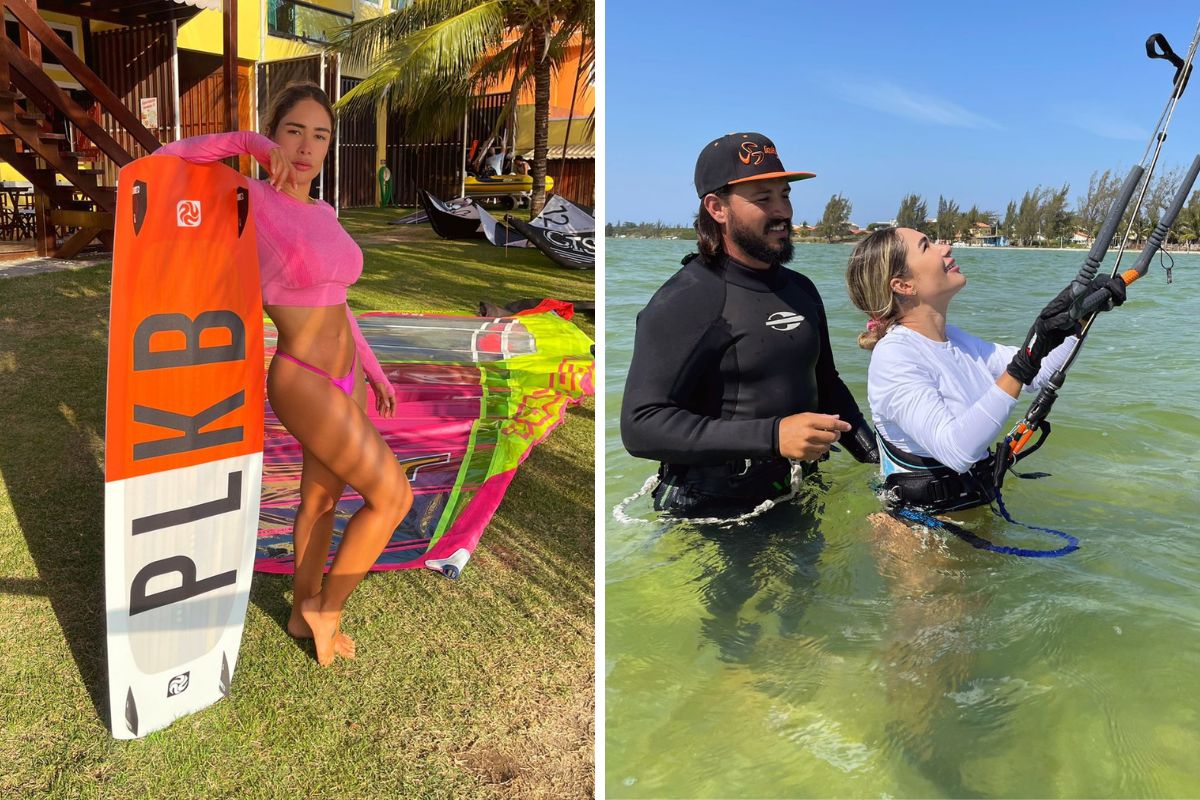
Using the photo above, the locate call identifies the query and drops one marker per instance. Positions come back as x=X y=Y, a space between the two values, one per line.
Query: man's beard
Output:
x=758 y=246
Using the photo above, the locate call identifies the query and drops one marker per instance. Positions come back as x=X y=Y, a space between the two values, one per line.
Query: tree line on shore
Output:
x=1042 y=217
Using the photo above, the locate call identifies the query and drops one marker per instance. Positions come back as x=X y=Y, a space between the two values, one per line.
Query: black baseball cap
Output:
x=738 y=158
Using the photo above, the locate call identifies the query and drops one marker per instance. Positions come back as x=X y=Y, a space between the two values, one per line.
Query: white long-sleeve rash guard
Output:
x=940 y=399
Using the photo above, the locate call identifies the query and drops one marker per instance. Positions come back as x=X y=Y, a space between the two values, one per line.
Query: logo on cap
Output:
x=751 y=154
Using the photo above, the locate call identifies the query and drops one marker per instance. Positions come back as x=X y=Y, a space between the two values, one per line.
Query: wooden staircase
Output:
x=27 y=95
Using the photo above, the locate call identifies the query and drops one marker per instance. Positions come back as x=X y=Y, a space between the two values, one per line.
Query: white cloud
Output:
x=898 y=101
x=1103 y=123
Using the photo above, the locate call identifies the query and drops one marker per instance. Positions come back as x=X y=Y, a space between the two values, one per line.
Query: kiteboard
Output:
x=183 y=442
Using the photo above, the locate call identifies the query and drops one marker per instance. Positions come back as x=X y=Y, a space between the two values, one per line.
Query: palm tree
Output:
x=432 y=57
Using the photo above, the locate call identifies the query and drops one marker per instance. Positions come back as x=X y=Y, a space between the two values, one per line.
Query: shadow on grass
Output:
x=417 y=271
x=33 y=587
x=53 y=355
x=548 y=515
x=53 y=334
x=272 y=595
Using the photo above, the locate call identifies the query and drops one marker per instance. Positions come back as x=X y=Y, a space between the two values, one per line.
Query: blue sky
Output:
x=975 y=101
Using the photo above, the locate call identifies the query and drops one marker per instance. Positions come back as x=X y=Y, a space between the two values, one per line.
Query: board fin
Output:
x=131 y=718
x=139 y=205
x=243 y=208
x=225 y=678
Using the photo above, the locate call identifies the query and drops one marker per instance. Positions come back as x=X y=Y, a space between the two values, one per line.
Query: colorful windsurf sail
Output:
x=473 y=397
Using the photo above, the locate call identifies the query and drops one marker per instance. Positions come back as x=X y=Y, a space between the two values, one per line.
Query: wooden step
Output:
x=52 y=137
x=80 y=219
x=30 y=117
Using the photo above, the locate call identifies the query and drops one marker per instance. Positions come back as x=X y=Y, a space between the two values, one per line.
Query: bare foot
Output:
x=297 y=628
x=886 y=523
x=324 y=627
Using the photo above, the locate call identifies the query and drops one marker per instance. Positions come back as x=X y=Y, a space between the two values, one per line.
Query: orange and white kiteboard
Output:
x=183 y=443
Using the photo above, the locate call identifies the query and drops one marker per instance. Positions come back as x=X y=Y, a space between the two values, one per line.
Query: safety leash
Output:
x=908 y=514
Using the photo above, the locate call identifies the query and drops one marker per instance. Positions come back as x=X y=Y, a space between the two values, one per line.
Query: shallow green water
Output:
x=810 y=655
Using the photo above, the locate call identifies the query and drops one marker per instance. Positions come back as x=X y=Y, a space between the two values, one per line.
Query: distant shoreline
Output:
x=1080 y=249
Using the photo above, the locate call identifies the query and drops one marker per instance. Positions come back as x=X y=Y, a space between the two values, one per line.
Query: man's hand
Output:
x=808 y=436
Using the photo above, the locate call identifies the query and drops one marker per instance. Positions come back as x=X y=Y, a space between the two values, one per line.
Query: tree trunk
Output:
x=541 y=121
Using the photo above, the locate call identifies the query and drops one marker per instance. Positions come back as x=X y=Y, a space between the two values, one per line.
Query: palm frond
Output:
x=491 y=70
x=430 y=58
x=436 y=60
x=363 y=43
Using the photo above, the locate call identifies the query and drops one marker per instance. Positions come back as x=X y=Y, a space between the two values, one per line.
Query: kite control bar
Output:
x=1086 y=305
x=1091 y=304
x=1091 y=264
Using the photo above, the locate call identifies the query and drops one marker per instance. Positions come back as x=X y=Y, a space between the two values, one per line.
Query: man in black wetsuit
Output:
x=732 y=373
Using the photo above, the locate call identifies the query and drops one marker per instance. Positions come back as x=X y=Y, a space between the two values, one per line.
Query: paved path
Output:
x=34 y=265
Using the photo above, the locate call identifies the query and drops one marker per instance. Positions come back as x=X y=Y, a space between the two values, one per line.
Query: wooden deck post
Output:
x=43 y=230
x=43 y=235
x=230 y=27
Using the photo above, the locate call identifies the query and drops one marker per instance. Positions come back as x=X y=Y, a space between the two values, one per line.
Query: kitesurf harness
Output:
x=914 y=480
x=917 y=487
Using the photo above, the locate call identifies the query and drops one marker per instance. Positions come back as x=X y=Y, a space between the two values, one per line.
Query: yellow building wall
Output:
x=203 y=32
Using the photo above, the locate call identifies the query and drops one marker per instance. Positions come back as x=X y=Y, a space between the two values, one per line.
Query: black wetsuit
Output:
x=722 y=353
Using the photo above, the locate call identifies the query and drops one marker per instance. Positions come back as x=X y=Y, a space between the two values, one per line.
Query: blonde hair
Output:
x=875 y=261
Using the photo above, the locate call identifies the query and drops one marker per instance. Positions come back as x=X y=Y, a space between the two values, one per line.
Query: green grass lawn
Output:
x=477 y=688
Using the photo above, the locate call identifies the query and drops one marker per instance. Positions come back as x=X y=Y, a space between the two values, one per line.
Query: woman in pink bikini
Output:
x=306 y=261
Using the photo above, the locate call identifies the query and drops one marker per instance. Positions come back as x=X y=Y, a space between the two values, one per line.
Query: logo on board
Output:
x=784 y=321
x=187 y=213
x=179 y=684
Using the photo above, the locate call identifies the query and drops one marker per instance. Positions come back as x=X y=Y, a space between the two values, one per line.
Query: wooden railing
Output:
x=40 y=156
x=28 y=17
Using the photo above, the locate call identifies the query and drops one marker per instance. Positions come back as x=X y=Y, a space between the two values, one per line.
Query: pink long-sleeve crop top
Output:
x=305 y=256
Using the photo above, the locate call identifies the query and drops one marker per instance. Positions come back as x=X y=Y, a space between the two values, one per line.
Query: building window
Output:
x=13 y=30
x=291 y=19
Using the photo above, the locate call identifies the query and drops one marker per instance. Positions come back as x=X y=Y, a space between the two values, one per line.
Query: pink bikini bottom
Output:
x=346 y=384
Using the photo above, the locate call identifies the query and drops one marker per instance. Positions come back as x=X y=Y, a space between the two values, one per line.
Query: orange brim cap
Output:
x=787 y=176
